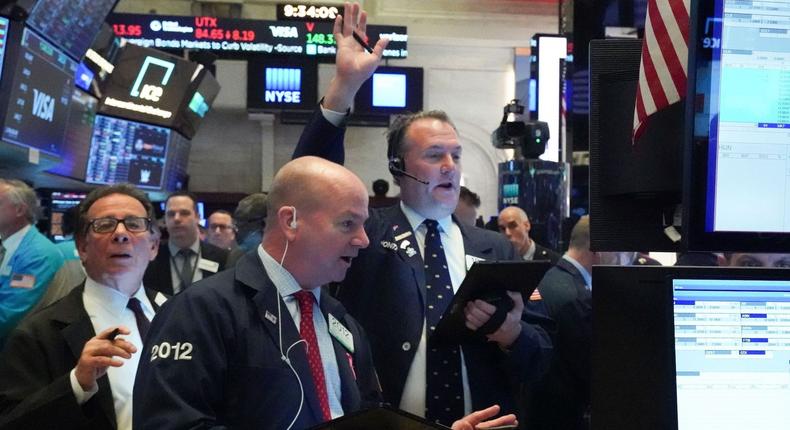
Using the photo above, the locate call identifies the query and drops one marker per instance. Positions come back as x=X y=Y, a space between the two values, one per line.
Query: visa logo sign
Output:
x=284 y=31
x=283 y=85
x=43 y=105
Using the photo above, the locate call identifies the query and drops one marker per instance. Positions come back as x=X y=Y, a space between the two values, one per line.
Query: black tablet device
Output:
x=488 y=280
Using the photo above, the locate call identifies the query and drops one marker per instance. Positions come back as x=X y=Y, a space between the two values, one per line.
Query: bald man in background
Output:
x=514 y=223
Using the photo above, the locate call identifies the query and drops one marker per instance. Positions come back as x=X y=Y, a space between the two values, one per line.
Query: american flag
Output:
x=662 y=74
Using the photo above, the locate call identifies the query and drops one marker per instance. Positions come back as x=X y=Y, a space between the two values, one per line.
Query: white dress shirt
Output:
x=286 y=285
x=413 y=398
x=530 y=254
x=106 y=308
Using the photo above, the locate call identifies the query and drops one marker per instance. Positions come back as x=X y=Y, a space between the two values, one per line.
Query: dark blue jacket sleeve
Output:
x=321 y=139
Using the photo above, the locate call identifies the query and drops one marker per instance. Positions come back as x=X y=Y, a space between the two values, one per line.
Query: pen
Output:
x=114 y=334
x=362 y=42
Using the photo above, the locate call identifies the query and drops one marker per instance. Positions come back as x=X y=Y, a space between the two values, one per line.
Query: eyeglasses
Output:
x=134 y=224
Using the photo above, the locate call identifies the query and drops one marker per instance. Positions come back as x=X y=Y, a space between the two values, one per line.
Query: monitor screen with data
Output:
x=127 y=151
x=738 y=186
x=732 y=353
x=690 y=348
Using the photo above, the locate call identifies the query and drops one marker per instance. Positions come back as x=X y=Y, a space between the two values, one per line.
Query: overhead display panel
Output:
x=228 y=37
x=127 y=151
x=71 y=25
x=147 y=85
x=43 y=83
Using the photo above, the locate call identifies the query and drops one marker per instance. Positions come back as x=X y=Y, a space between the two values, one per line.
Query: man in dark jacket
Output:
x=63 y=367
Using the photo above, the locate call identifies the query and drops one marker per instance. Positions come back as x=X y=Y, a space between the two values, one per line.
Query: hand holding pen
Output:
x=100 y=353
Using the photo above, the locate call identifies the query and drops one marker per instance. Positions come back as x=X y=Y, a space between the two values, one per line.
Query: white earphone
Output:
x=293 y=220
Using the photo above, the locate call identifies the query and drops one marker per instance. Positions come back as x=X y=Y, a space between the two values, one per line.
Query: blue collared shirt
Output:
x=286 y=285
x=585 y=274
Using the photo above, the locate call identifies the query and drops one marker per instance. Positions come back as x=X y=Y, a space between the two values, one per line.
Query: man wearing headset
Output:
x=393 y=286
x=261 y=345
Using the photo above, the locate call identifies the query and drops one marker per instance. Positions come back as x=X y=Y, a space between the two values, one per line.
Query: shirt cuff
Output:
x=81 y=395
x=333 y=117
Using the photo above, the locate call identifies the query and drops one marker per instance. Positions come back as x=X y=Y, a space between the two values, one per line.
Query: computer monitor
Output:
x=732 y=352
x=690 y=348
x=634 y=186
x=391 y=90
x=77 y=136
x=737 y=188
x=39 y=97
x=176 y=177
x=59 y=202
x=127 y=151
x=71 y=25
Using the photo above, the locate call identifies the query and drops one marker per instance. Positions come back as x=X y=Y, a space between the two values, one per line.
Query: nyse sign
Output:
x=283 y=85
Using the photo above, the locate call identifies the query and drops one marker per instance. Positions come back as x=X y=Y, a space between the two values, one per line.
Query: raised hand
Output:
x=353 y=63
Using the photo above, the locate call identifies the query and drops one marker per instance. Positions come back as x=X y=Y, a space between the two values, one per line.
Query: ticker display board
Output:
x=229 y=37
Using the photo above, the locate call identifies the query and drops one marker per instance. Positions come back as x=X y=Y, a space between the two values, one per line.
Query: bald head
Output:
x=307 y=183
x=316 y=213
x=514 y=212
x=514 y=223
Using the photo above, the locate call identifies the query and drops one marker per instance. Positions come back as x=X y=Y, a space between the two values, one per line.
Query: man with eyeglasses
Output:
x=64 y=365
x=184 y=259
x=222 y=230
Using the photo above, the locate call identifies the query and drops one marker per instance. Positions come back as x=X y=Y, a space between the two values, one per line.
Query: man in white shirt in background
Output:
x=63 y=367
x=184 y=259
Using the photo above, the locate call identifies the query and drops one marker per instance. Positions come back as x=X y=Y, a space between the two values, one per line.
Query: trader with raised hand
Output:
x=271 y=349
x=399 y=287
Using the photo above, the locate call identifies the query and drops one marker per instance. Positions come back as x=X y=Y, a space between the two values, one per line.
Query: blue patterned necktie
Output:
x=444 y=391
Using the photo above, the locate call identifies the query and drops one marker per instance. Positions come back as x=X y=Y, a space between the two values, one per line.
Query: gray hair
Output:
x=20 y=193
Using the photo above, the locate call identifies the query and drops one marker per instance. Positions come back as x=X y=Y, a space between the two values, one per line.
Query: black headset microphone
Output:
x=396 y=168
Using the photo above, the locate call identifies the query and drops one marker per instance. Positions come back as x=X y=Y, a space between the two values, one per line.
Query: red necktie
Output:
x=307 y=331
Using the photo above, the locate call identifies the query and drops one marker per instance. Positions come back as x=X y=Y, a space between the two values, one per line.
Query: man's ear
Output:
x=154 y=246
x=82 y=246
x=286 y=222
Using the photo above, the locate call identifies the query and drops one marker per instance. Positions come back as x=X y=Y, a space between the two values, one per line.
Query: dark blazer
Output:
x=385 y=290
x=559 y=401
x=235 y=376
x=158 y=275
x=563 y=283
x=543 y=253
x=35 y=390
